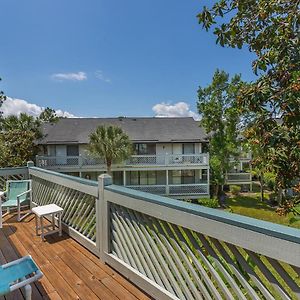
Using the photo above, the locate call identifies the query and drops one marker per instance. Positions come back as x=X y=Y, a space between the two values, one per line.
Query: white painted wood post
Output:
x=167 y=183
x=102 y=217
x=27 y=176
x=124 y=178
x=29 y=165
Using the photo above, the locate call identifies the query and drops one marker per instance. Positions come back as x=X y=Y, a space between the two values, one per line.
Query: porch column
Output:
x=167 y=183
x=124 y=178
x=208 y=188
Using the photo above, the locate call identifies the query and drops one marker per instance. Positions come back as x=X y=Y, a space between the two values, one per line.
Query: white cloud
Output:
x=13 y=106
x=99 y=74
x=79 y=76
x=179 y=109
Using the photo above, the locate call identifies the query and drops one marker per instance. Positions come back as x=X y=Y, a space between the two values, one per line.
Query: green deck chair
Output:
x=18 y=274
x=18 y=193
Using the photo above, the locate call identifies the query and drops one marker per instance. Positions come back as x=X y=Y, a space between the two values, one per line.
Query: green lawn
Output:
x=248 y=204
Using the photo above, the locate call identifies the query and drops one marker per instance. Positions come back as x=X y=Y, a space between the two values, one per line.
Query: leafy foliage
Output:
x=212 y=203
x=2 y=99
x=111 y=144
x=17 y=147
x=235 y=189
x=18 y=136
x=48 y=115
x=271 y=30
x=221 y=119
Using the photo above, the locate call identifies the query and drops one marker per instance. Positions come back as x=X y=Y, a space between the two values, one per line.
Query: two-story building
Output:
x=169 y=158
x=170 y=154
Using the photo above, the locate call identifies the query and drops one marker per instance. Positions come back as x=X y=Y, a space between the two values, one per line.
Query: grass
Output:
x=250 y=205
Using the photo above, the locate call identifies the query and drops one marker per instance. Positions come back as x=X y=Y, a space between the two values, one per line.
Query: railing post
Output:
x=102 y=217
x=29 y=165
x=167 y=183
x=80 y=161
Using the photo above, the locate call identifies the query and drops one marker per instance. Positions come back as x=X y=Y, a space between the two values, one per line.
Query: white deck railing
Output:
x=173 y=189
x=173 y=249
x=238 y=177
x=134 y=160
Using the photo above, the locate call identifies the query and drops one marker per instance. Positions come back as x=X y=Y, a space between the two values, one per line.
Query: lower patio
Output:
x=70 y=270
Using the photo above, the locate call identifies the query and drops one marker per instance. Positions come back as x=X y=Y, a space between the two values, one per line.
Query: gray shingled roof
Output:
x=71 y=130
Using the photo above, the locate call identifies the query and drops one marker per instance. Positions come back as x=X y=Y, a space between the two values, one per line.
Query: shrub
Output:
x=212 y=203
x=269 y=179
x=235 y=189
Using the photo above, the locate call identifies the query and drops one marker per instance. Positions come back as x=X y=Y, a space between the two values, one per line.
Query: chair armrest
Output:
x=24 y=193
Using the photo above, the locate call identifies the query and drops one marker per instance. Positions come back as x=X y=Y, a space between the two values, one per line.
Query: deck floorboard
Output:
x=70 y=270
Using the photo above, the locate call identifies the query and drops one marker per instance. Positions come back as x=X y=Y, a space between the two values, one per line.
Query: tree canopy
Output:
x=221 y=119
x=2 y=99
x=111 y=144
x=48 y=115
x=271 y=30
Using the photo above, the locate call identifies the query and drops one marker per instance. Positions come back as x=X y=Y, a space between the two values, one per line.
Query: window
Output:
x=188 y=148
x=182 y=176
x=72 y=150
x=188 y=176
x=133 y=178
x=142 y=178
x=145 y=149
x=118 y=177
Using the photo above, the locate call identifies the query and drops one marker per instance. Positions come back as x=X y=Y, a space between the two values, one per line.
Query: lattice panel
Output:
x=153 y=189
x=79 y=208
x=194 y=266
x=3 y=180
x=188 y=189
x=145 y=160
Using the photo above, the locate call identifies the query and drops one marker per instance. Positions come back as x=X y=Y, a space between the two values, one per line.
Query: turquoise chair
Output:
x=18 y=274
x=17 y=194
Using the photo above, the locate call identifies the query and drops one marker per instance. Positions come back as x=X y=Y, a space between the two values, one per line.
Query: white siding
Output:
x=177 y=148
x=162 y=149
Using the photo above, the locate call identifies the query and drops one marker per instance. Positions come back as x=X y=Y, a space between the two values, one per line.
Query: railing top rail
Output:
x=13 y=168
x=259 y=226
x=73 y=178
x=85 y=185
x=13 y=171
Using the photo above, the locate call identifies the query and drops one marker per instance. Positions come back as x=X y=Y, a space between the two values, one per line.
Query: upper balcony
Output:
x=135 y=161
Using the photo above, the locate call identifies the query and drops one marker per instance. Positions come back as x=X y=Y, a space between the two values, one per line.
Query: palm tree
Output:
x=111 y=144
x=23 y=122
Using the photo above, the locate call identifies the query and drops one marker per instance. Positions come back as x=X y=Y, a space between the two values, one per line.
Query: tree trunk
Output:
x=261 y=181
x=279 y=195
x=109 y=172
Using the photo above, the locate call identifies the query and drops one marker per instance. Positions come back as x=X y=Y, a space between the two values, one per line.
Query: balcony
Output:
x=86 y=163
x=174 y=189
x=70 y=271
x=235 y=178
x=170 y=249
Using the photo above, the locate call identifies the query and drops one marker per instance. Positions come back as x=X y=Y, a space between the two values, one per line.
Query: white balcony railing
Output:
x=238 y=177
x=134 y=160
x=173 y=189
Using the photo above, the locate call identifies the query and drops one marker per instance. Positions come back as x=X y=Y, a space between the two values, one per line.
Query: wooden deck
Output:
x=70 y=271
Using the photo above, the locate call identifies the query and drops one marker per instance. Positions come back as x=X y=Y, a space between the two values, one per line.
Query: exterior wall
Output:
x=177 y=148
x=162 y=149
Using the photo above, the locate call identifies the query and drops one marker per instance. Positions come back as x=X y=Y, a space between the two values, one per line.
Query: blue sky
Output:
x=110 y=58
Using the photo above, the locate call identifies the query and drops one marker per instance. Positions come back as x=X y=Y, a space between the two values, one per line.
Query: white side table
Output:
x=46 y=210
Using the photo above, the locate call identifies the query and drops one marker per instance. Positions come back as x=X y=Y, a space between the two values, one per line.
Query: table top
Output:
x=46 y=210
